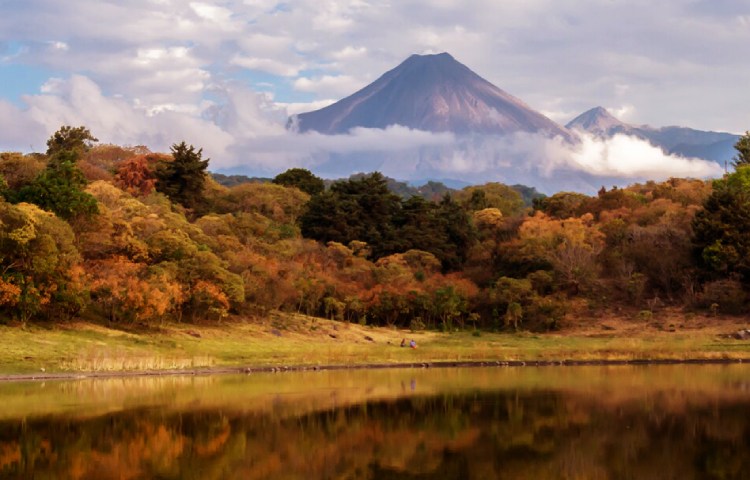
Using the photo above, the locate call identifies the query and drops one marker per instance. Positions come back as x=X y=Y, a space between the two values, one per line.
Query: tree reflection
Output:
x=472 y=435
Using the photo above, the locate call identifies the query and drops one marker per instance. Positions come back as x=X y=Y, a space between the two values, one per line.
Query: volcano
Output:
x=434 y=93
x=683 y=141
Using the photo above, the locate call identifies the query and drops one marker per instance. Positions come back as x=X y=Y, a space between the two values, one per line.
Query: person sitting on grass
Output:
x=412 y=343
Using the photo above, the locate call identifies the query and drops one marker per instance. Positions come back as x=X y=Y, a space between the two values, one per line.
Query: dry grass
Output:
x=282 y=339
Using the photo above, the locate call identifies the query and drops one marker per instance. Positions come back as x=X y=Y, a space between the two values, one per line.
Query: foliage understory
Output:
x=291 y=340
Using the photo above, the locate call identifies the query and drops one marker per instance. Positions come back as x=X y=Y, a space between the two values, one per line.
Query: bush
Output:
x=728 y=296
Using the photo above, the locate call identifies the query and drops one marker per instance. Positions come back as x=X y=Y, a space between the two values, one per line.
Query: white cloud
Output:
x=212 y=12
x=349 y=52
x=337 y=86
x=623 y=112
x=267 y=65
x=295 y=108
x=629 y=157
x=59 y=46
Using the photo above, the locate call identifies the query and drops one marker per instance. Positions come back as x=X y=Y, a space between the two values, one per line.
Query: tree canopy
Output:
x=70 y=139
x=302 y=179
x=183 y=179
x=363 y=209
x=722 y=228
x=59 y=188
x=743 y=151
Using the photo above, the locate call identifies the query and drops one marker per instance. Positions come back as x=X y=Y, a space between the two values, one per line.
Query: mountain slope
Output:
x=433 y=93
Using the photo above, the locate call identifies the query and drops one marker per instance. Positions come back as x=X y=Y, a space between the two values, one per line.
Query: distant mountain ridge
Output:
x=687 y=142
x=435 y=93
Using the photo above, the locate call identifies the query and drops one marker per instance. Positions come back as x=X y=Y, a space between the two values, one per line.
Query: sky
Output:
x=225 y=75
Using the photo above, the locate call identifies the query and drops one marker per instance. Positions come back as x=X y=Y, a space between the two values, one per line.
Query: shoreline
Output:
x=247 y=370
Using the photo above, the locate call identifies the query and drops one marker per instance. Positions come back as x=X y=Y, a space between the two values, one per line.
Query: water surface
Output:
x=661 y=422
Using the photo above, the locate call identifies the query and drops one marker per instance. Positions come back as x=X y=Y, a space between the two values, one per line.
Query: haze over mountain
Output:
x=683 y=141
x=434 y=93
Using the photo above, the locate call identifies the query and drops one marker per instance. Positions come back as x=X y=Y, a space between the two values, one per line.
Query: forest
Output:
x=128 y=236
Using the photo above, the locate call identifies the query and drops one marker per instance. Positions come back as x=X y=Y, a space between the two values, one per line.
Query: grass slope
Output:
x=286 y=340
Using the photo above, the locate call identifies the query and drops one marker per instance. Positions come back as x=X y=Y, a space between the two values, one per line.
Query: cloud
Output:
x=349 y=52
x=213 y=13
x=267 y=65
x=301 y=107
x=242 y=130
x=80 y=101
x=632 y=158
x=329 y=85
x=648 y=54
x=18 y=131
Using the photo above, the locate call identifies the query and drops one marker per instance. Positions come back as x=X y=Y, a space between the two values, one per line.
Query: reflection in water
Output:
x=640 y=423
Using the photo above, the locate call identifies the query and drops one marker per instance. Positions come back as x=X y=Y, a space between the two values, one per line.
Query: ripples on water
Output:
x=660 y=422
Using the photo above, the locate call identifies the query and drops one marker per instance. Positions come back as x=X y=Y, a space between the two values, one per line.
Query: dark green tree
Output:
x=455 y=225
x=302 y=179
x=743 y=151
x=358 y=209
x=364 y=209
x=70 y=139
x=183 y=179
x=443 y=229
x=721 y=231
x=60 y=189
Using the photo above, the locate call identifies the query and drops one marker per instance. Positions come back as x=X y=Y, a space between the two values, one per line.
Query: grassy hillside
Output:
x=291 y=340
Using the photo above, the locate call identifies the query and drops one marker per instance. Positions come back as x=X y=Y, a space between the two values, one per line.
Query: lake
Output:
x=623 y=422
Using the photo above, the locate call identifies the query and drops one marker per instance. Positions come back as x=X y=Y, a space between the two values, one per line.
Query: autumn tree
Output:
x=562 y=205
x=570 y=247
x=137 y=175
x=184 y=178
x=133 y=292
x=19 y=170
x=39 y=262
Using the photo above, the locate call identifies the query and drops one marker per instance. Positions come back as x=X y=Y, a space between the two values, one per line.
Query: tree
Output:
x=495 y=195
x=183 y=179
x=743 y=151
x=570 y=247
x=19 y=170
x=722 y=229
x=562 y=205
x=70 y=139
x=459 y=233
x=358 y=209
x=59 y=189
x=136 y=175
x=38 y=261
x=364 y=209
x=302 y=179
